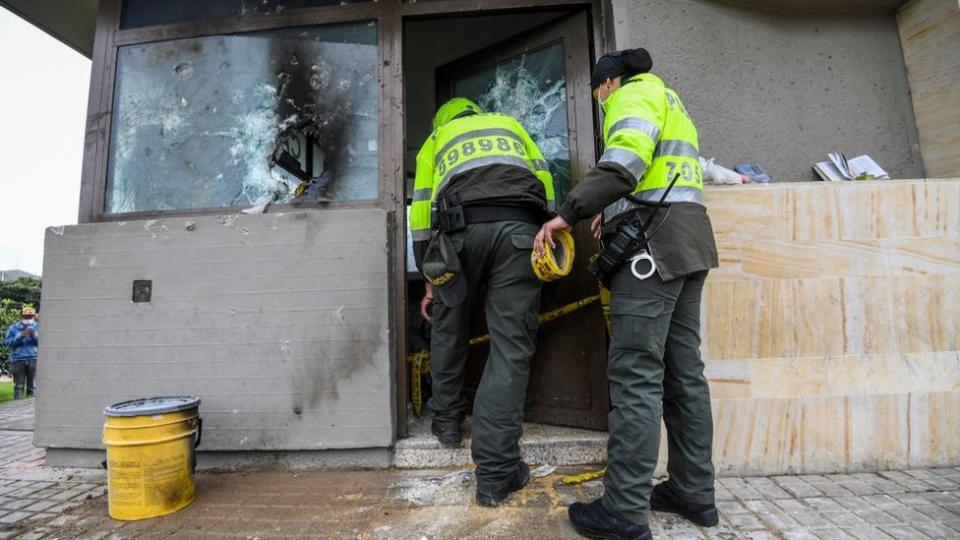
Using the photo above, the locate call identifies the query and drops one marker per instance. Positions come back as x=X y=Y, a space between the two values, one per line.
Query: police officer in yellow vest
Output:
x=481 y=192
x=654 y=365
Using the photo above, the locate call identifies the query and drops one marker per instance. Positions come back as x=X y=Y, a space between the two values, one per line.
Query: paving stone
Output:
x=721 y=493
x=14 y=517
x=833 y=489
x=876 y=516
x=832 y=533
x=844 y=519
x=722 y=532
x=760 y=535
x=934 y=480
x=40 y=506
x=792 y=505
x=745 y=522
x=936 y=530
x=33 y=535
x=937 y=513
x=940 y=498
x=824 y=503
x=853 y=503
x=906 y=514
x=911 y=499
x=731 y=507
x=17 y=504
x=768 y=488
x=860 y=488
x=910 y=483
x=904 y=531
x=780 y=521
x=810 y=520
x=741 y=489
x=799 y=535
x=62 y=520
x=797 y=487
x=868 y=533
x=951 y=474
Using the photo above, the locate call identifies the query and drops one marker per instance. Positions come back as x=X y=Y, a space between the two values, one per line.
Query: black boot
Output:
x=664 y=499
x=496 y=498
x=593 y=521
x=449 y=436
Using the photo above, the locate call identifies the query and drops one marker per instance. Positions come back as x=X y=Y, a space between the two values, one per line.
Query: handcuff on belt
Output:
x=630 y=243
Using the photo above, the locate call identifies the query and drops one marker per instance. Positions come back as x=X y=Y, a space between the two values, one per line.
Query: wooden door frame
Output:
x=389 y=16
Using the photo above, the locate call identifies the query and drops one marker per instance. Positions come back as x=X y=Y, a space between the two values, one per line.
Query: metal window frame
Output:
x=389 y=16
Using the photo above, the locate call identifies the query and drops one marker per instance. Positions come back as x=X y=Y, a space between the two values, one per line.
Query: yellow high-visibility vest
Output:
x=467 y=143
x=647 y=130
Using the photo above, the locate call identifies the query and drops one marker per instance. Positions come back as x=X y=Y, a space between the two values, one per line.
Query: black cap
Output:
x=441 y=267
x=625 y=63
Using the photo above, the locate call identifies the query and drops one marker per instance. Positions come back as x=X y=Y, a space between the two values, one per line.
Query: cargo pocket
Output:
x=639 y=324
x=522 y=241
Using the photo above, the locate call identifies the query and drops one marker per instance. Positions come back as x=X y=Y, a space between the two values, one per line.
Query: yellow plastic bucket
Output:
x=151 y=455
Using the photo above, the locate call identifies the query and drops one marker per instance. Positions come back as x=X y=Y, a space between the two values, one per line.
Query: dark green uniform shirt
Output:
x=681 y=244
x=494 y=185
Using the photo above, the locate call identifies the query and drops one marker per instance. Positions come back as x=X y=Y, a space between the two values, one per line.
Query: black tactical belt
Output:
x=455 y=217
x=490 y=214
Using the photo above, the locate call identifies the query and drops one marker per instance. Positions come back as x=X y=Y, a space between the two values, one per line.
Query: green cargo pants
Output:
x=497 y=256
x=655 y=370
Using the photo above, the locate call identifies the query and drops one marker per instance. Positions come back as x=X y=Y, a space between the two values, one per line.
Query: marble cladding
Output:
x=832 y=328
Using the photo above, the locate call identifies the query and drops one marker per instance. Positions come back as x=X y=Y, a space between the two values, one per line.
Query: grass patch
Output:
x=6 y=391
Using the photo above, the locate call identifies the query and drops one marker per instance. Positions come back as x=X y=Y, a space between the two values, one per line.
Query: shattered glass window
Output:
x=140 y=13
x=531 y=88
x=281 y=116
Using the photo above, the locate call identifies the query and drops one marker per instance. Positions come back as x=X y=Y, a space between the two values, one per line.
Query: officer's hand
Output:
x=595 y=226
x=545 y=236
x=425 y=307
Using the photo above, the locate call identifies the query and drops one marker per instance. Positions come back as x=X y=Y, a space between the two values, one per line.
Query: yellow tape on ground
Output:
x=585 y=477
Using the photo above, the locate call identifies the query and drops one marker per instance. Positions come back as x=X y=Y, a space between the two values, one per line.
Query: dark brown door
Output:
x=542 y=78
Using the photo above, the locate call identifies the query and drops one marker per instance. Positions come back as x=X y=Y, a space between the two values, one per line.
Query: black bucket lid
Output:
x=151 y=406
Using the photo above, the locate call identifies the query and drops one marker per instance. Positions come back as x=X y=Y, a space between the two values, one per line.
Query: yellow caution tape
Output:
x=419 y=365
x=556 y=263
x=548 y=316
x=420 y=361
x=585 y=477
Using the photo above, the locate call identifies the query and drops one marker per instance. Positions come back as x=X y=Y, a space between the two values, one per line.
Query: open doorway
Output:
x=533 y=66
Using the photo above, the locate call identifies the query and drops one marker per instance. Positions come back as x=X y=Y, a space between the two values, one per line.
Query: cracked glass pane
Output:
x=281 y=116
x=531 y=87
x=140 y=13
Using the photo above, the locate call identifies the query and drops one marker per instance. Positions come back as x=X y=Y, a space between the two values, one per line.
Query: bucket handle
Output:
x=193 y=468
x=199 y=432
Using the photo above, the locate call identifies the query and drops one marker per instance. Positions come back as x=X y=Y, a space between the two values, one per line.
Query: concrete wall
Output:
x=930 y=32
x=279 y=322
x=832 y=327
x=782 y=90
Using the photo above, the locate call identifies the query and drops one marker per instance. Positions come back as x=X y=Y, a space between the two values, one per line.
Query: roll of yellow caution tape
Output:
x=555 y=263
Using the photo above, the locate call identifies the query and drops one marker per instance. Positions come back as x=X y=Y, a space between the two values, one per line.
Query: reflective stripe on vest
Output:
x=482 y=162
x=677 y=195
x=676 y=148
x=625 y=158
x=639 y=124
x=465 y=144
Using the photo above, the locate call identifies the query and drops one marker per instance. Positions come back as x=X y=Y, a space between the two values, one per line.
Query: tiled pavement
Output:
x=37 y=502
